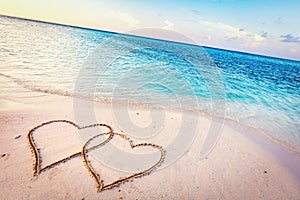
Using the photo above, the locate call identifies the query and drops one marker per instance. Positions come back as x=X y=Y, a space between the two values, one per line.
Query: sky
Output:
x=266 y=27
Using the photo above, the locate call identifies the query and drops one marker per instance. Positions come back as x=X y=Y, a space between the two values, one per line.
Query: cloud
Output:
x=264 y=34
x=278 y=20
x=289 y=38
x=293 y=51
x=168 y=25
x=227 y=35
x=206 y=37
x=196 y=12
x=129 y=20
x=229 y=31
x=217 y=25
x=231 y=38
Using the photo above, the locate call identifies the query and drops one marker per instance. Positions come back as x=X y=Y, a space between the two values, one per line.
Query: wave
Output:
x=35 y=88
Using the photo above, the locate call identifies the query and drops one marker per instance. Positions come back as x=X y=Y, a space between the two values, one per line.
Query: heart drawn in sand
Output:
x=37 y=169
x=100 y=185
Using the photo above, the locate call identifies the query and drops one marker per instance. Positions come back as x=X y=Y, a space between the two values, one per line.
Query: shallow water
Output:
x=260 y=92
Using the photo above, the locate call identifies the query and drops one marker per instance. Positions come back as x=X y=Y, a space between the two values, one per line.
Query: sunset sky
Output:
x=267 y=27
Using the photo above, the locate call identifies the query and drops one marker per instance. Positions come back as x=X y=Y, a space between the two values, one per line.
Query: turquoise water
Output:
x=257 y=91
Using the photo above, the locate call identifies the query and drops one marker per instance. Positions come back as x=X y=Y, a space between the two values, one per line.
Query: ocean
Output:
x=256 y=91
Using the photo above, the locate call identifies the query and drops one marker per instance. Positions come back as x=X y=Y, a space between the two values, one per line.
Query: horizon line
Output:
x=147 y=37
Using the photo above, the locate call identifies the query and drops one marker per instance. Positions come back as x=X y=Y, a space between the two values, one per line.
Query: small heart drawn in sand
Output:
x=100 y=185
x=37 y=169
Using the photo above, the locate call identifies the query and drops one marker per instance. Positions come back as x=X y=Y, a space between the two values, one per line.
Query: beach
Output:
x=91 y=114
x=241 y=165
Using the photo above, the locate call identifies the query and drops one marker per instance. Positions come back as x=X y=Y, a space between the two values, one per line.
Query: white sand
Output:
x=242 y=165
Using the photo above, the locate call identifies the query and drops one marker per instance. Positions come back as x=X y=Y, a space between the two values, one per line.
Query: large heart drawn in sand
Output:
x=100 y=185
x=37 y=169
x=37 y=159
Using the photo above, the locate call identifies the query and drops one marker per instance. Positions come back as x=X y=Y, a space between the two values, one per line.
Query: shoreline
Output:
x=107 y=100
x=242 y=163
